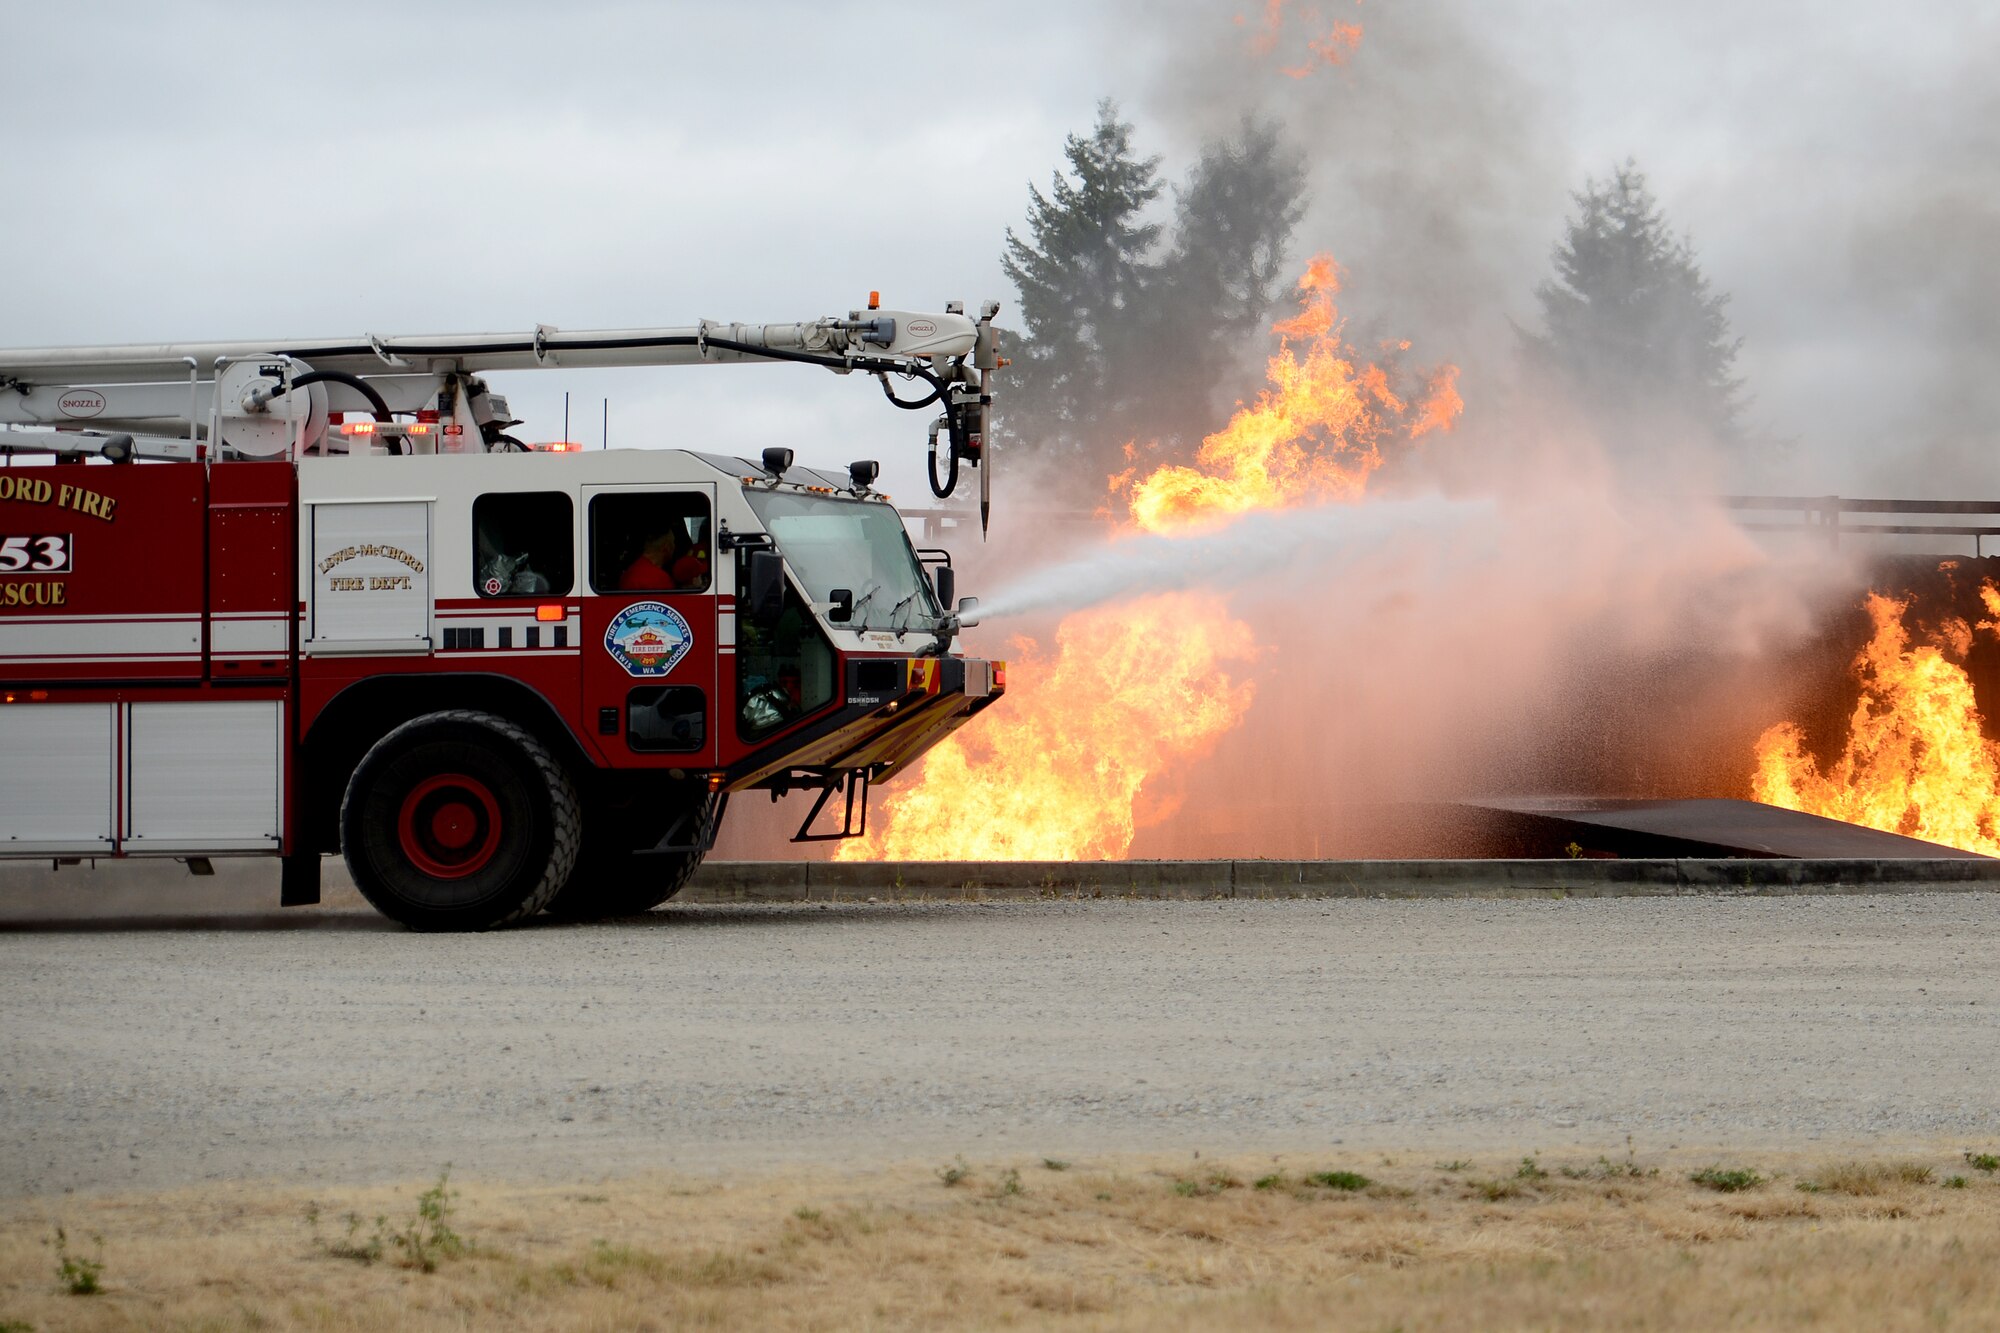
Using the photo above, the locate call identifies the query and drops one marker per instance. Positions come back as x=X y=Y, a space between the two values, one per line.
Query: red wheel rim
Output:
x=449 y=826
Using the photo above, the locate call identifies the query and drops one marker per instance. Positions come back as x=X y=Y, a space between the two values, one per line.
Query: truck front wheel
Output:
x=459 y=820
x=612 y=879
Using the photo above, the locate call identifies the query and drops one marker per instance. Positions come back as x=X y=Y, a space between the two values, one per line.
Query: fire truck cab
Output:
x=498 y=680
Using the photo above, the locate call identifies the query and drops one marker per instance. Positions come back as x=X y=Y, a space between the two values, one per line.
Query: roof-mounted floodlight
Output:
x=777 y=461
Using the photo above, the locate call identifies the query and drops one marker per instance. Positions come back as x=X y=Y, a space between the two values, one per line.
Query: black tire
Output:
x=459 y=821
x=610 y=880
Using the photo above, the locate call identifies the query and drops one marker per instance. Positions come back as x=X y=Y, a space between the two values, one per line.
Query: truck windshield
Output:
x=851 y=544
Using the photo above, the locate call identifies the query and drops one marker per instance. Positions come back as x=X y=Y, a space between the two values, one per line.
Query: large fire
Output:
x=1916 y=760
x=1083 y=751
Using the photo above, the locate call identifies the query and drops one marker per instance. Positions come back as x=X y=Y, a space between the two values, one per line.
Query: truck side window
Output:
x=784 y=670
x=522 y=544
x=649 y=541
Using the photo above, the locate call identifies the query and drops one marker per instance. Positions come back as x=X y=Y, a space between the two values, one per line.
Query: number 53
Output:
x=35 y=555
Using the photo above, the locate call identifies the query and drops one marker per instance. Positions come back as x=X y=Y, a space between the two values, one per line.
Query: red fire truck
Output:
x=294 y=597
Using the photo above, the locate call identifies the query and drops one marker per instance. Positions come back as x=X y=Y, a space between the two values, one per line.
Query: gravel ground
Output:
x=329 y=1046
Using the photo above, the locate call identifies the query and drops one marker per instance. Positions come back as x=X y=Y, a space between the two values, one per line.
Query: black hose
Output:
x=876 y=365
x=955 y=426
x=613 y=344
x=911 y=404
x=872 y=364
x=941 y=489
x=354 y=382
x=473 y=349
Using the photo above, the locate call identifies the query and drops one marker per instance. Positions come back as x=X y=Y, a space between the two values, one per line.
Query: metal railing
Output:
x=1821 y=516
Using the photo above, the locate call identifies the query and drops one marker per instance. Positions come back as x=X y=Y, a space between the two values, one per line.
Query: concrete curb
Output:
x=901 y=881
x=31 y=890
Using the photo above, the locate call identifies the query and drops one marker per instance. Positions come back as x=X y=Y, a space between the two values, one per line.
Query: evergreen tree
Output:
x=1119 y=345
x=1080 y=274
x=1209 y=303
x=1633 y=327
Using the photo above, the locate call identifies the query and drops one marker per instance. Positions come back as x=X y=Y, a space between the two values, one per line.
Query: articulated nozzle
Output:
x=964 y=618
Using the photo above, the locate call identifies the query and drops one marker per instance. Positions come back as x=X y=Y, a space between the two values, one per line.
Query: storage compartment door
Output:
x=252 y=558
x=57 y=779
x=204 y=777
x=370 y=578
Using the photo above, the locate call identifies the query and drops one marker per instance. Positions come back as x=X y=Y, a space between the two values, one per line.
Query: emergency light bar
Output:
x=388 y=429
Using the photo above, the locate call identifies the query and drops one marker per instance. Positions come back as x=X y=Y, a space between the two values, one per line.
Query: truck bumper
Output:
x=895 y=709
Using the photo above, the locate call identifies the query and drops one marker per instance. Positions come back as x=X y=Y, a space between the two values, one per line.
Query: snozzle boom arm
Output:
x=239 y=398
x=897 y=342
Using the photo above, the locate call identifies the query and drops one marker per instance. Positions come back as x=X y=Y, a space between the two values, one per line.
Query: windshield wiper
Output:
x=902 y=629
x=862 y=600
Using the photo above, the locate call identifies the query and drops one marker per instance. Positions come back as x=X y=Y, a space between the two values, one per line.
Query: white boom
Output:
x=288 y=396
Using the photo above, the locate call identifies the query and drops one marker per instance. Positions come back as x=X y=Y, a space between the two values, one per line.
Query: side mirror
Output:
x=945 y=581
x=842 y=608
x=767 y=586
x=968 y=612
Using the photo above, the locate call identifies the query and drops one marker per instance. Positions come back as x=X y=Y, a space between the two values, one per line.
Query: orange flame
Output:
x=1916 y=760
x=1071 y=763
x=1058 y=771
x=1316 y=434
x=1339 y=41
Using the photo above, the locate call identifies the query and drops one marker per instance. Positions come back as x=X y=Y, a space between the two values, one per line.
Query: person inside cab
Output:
x=667 y=561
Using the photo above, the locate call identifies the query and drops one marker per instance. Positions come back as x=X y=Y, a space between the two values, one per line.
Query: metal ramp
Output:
x=1548 y=826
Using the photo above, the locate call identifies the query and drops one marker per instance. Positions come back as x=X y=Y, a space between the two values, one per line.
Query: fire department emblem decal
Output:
x=648 y=638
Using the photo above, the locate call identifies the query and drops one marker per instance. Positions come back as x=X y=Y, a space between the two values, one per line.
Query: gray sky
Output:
x=229 y=170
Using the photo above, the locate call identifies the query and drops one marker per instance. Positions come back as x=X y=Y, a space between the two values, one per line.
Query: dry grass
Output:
x=1113 y=1244
x=1866 y=1179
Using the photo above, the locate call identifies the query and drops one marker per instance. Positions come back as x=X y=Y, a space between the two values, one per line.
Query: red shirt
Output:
x=642 y=575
